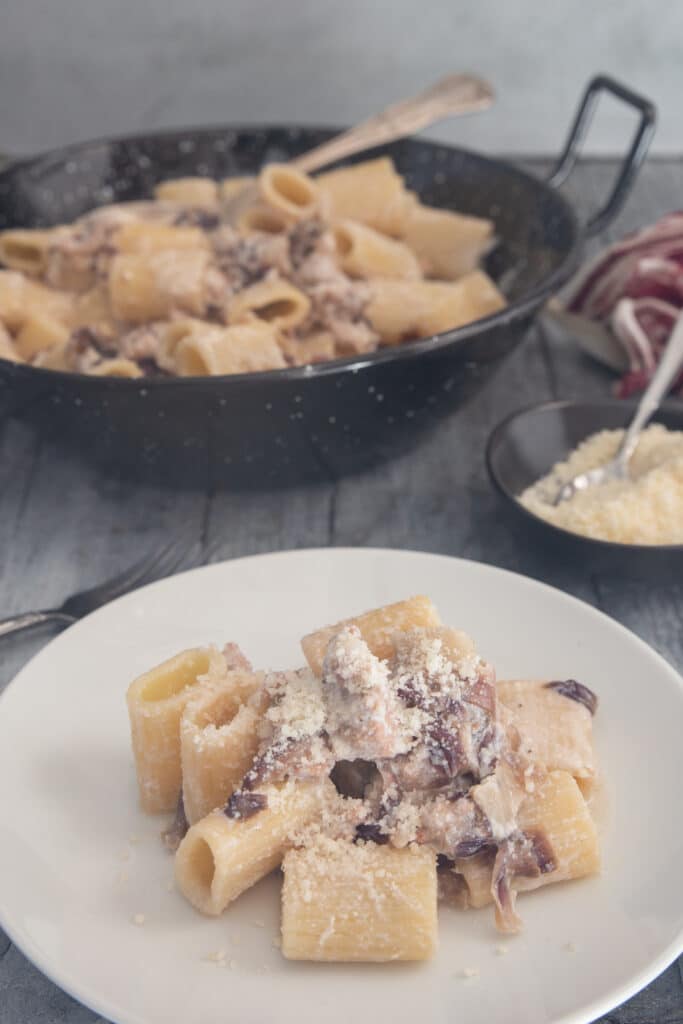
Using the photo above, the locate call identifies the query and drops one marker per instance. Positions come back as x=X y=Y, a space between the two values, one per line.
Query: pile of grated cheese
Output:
x=646 y=508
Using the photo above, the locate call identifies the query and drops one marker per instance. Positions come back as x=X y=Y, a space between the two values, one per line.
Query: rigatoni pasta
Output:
x=242 y=348
x=446 y=244
x=156 y=701
x=364 y=252
x=377 y=628
x=146 y=286
x=362 y=902
x=117 y=367
x=223 y=855
x=371 y=192
x=275 y=302
x=558 y=733
x=219 y=739
x=188 y=191
x=339 y=264
x=230 y=187
x=262 y=218
x=403 y=309
x=21 y=297
x=39 y=332
x=25 y=251
x=8 y=349
x=389 y=773
x=558 y=810
x=142 y=237
x=289 y=192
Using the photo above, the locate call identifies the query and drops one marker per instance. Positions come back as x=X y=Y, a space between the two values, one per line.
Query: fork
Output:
x=617 y=468
x=160 y=563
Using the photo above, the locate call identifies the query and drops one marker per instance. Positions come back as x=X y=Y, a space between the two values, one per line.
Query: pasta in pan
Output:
x=343 y=263
x=390 y=772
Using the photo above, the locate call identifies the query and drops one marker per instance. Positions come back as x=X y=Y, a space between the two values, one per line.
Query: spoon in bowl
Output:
x=617 y=468
x=450 y=96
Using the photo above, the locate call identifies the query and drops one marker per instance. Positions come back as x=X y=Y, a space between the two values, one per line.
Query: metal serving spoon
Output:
x=617 y=469
x=450 y=96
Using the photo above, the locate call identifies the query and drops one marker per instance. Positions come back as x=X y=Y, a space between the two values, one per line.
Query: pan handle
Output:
x=632 y=160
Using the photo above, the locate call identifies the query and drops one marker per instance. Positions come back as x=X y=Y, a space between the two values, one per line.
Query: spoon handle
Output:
x=669 y=365
x=455 y=94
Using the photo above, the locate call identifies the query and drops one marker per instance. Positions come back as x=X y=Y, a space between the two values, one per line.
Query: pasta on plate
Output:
x=392 y=771
x=308 y=270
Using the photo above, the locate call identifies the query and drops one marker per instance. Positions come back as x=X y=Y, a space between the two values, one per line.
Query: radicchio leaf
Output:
x=634 y=288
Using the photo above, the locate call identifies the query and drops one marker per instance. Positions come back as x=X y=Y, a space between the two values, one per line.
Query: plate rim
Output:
x=118 y=1015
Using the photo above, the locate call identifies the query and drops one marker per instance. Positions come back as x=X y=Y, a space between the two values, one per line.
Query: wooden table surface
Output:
x=64 y=526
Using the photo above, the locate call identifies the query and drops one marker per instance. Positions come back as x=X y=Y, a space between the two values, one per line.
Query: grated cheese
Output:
x=646 y=508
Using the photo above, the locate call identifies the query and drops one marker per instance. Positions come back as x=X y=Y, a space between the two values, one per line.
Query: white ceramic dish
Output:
x=78 y=860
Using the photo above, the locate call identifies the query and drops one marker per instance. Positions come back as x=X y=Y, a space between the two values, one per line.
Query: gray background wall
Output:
x=70 y=69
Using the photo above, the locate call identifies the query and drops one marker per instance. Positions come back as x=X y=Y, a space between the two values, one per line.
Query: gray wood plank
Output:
x=64 y=526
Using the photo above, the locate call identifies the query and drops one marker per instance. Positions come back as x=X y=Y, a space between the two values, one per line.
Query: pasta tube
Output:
x=230 y=187
x=371 y=192
x=260 y=217
x=288 y=191
x=21 y=297
x=188 y=191
x=148 y=237
x=150 y=286
x=242 y=348
x=556 y=732
x=364 y=252
x=312 y=348
x=220 y=857
x=276 y=301
x=413 y=309
x=454 y=305
x=446 y=243
x=377 y=628
x=25 y=250
x=93 y=309
x=558 y=810
x=117 y=368
x=156 y=701
x=7 y=347
x=362 y=902
x=218 y=740
x=55 y=358
x=39 y=332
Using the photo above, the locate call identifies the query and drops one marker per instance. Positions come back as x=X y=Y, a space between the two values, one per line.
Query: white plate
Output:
x=68 y=811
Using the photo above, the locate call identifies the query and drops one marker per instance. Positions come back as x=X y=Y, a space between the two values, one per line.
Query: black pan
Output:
x=315 y=422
